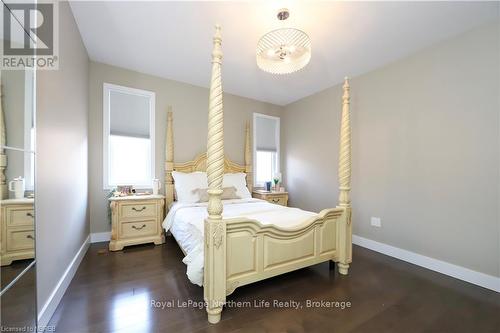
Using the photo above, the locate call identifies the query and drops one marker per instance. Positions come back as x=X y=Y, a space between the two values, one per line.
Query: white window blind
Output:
x=129 y=143
x=266 y=134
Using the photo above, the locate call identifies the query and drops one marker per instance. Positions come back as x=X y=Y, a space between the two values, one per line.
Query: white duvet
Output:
x=185 y=222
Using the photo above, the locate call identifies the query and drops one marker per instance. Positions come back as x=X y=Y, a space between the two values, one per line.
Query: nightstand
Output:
x=278 y=198
x=17 y=235
x=136 y=220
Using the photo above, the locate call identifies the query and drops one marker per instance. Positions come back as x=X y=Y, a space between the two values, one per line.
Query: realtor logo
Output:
x=30 y=35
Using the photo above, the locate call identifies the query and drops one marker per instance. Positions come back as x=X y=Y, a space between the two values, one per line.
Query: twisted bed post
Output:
x=169 y=160
x=345 y=240
x=214 y=280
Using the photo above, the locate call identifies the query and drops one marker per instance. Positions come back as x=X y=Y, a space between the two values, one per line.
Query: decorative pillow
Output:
x=185 y=183
x=239 y=181
x=228 y=193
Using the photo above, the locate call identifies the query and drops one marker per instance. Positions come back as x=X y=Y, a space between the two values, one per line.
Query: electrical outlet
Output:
x=376 y=222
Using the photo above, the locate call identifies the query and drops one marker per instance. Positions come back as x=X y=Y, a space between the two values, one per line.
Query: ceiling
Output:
x=173 y=39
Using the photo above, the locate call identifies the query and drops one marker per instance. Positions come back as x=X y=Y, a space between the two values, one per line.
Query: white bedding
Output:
x=185 y=222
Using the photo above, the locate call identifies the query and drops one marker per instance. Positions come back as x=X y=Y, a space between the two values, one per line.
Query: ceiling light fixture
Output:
x=284 y=50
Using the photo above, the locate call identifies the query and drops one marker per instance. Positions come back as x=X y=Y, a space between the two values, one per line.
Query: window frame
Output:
x=106 y=92
x=254 y=145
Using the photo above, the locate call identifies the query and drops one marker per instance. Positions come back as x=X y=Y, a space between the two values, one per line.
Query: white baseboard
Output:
x=459 y=272
x=50 y=306
x=100 y=237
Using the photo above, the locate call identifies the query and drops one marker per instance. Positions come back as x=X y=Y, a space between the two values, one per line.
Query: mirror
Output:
x=17 y=97
x=17 y=84
x=17 y=181
x=18 y=303
x=17 y=215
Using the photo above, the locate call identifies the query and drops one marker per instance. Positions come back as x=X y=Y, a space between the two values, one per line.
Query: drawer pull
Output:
x=30 y=237
x=139 y=210
x=138 y=228
x=276 y=200
x=30 y=215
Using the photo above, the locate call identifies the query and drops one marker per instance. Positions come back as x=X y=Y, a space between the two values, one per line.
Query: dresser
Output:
x=17 y=230
x=136 y=220
x=278 y=198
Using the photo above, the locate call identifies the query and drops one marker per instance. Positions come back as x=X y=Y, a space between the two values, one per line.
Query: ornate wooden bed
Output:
x=239 y=251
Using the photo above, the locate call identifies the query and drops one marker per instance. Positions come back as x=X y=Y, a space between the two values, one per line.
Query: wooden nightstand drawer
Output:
x=20 y=240
x=138 y=210
x=278 y=200
x=19 y=216
x=17 y=235
x=138 y=229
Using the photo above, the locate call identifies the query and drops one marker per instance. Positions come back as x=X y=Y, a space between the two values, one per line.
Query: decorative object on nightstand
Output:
x=124 y=190
x=136 y=220
x=268 y=186
x=17 y=230
x=277 y=180
x=278 y=198
x=18 y=187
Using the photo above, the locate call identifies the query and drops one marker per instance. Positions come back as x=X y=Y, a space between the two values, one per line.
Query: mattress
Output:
x=186 y=223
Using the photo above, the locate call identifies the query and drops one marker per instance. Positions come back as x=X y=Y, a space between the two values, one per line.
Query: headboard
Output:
x=199 y=163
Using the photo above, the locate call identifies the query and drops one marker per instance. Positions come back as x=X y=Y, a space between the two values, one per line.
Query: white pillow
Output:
x=239 y=181
x=186 y=183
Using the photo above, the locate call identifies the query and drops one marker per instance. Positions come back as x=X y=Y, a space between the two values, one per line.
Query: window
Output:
x=129 y=144
x=266 y=145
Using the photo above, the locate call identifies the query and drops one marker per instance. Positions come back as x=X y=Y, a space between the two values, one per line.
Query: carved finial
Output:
x=217 y=50
x=218 y=29
x=347 y=88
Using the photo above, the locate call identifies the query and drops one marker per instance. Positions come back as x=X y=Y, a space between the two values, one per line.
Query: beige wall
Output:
x=425 y=151
x=61 y=162
x=190 y=107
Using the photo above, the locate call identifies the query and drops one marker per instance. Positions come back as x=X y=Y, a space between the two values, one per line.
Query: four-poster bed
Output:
x=240 y=250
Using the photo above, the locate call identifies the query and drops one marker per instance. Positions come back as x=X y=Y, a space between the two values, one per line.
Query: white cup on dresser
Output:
x=18 y=187
x=156 y=186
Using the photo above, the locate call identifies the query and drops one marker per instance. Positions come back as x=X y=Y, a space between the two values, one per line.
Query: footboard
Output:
x=255 y=252
x=240 y=251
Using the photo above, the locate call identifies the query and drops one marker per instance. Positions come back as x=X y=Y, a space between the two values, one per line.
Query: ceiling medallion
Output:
x=284 y=50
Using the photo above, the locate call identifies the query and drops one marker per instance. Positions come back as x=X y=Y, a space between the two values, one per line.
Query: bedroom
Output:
x=295 y=166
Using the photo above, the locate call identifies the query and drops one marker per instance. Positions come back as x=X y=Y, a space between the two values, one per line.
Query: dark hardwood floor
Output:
x=10 y=272
x=112 y=292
